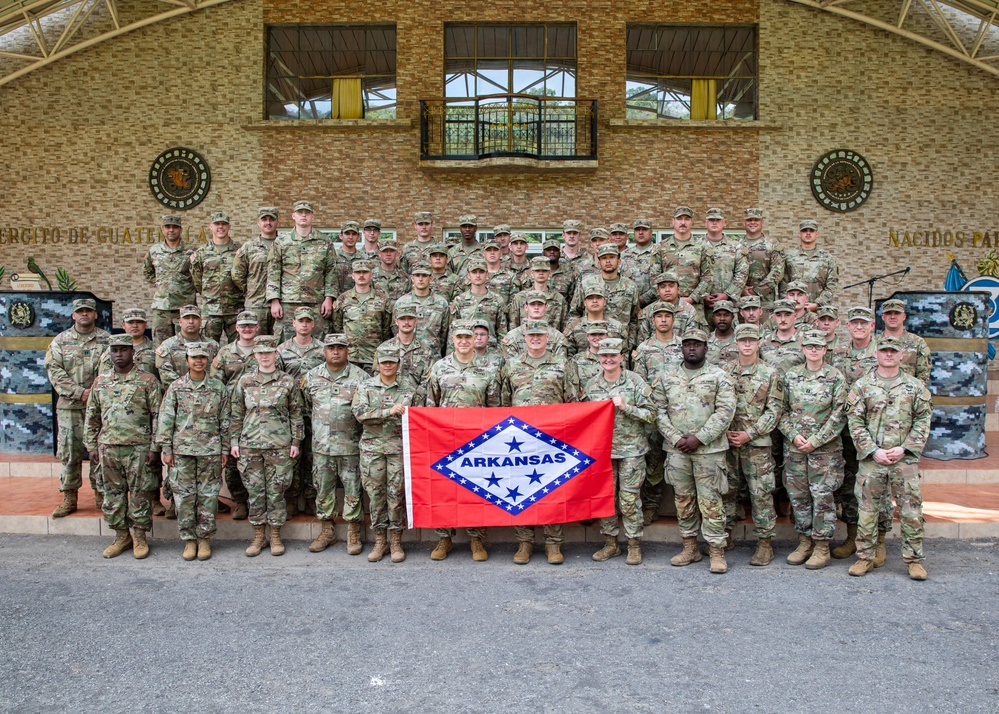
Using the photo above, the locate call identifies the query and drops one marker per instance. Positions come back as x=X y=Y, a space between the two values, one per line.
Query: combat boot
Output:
x=291 y=509
x=554 y=553
x=98 y=500
x=610 y=550
x=861 y=568
x=917 y=571
x=378 y=552
x=880 y=551
x=239 y=511
x=523 y=554
x=847 y=547
x=718 y=564
x=648 y=516
x=820 y=556
x=443 y=547
x=277 y=546
x=326 y=537
x=764 y=552
x=634 y=552
x=353 y=539
x=479 y=552
x=729 y=541
x=204 y=549
x=800 y=554
x=122 y=542
x=395 y=546
x=190 y=550
x=170 y=512
x=67 y=506
x=689 y=554
x=158 y=509
x=140 y=548
x=258 y=542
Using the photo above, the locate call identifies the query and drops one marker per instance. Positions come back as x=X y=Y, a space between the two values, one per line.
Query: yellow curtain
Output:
x=347 y=100
x=704 y=99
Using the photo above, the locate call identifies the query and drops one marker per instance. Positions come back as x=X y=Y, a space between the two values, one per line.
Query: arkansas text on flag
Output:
x=508 y=466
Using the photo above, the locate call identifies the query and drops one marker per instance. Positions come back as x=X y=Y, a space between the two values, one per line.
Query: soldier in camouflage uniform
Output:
x=432 y=310
x=827 y=320
x=916 y=357
x=498 y=278
x=378 y=405
x=722 y=349
x=797 y=293
x=467 y=247
x=562 y=278
x=416 y=355
x=347 y=252
x=595 y=303
x=540 y=273
x=193 y=436
x=266 y=431
x=536 y=308
x=483 y=344
x=688 y=257
x=462 y=380
x=889 y=416
x=364 y=315
x=695 y=405
x=168 y=266
x=388 y=277
x=751 y=312
x=120 y=426
x=211 y=273
x=538 y=376
x=478 y=301
x=633 y=412
x=782 y=347
x=667 y=288
x=249 y=269
x=812 y=417
x=585 y=364
x=636 y=263
x=759 y=395
x=622 y=293
x=73 y=362
x=372 y=233
x=418 y=251
x=327 y=392
x=813 y=266
x=766 y=260
x=442 y=281
x=302 y=271
x=573 y=253
x=519 y=261
x=728 y=257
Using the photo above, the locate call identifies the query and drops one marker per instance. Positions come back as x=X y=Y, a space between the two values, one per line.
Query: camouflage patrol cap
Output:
x=696 y=334
x=610 y=346
x=463 y=327
x=171 y=221
x=265 y=343
x=887 y=342
x=599 y=234
x=668 y=277
x=437 y=248
x=809 y=223
x=814 y=338
x=190 y=310
x=593 y=288
x=372 y=223
x=609 y=249
x=360 y=266
x=421 y=269
x=387 y=353
x=423 y=217
x=134 y=314
x=750 y=301
x=714 y=214
x=784 y=306
x=747 y=332
x=388 y=244
x=305 y=313
x=535 y=327
x=265 y=211
x=682 y=211
x=540 y=263
x=491 y=244
x=597 y=327
x=859 y=312
x=827 y=311
x=618 y=228
x=197 y=349
x=661 y=306
x=350 y=226
x=893 y=305
x=535 y=296
x=642 y=223
x=749 y=213
x=302 y=206
x=480 y=320
x=572 y=225
x=247 y=318
x=551 y=243
x=796 y=285
x=405 y=311
x=500 y=229
x=475 y=264
x=120 y=340
x=726 y=305
x=517 y=236
x=335 y=339
x=220 y=217
x=468 y=219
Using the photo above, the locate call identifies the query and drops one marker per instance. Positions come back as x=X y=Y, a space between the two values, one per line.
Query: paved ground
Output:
x=304 y=632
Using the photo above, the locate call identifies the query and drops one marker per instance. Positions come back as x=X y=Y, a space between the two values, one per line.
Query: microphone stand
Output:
x=870 y=284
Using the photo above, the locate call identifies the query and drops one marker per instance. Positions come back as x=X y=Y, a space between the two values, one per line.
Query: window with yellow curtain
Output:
x=691 y=72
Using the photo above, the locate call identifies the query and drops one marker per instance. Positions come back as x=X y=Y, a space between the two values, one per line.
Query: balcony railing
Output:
x=520 y=125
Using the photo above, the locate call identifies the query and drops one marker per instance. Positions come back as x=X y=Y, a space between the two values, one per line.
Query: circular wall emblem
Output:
x=179 y=178
x=963 y=316
x=21 y=315
x=842 y=180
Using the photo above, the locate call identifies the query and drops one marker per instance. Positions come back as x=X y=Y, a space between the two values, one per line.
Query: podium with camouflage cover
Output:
x=955 y=326
x=28 y=321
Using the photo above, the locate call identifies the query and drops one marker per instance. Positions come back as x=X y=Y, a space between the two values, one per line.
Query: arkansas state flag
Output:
x=516 y=466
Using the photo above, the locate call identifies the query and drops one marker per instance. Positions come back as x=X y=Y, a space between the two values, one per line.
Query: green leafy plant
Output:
x=65 y=284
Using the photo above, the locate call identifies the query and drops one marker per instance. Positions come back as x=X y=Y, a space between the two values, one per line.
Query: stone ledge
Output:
x=331 y=124
x=509 y=165
x=687 y=124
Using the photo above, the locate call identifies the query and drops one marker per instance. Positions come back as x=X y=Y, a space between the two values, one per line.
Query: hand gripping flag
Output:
x=508 y=466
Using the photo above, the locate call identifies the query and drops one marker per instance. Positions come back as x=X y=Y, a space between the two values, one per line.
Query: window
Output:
x=691 y=72
x=331 y=72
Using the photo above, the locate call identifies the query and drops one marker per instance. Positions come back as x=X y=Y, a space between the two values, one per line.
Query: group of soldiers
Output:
x=721 y=354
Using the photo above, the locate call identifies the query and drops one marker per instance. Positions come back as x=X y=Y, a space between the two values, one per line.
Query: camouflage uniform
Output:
x=721 y=352
x=171 y=357
x=817 y=269
x=699 y=402
x=249 y=274
x=622 y=304
x=515 y=343
x=121 y=424
x=344 y=263
x=296 y=360
x=194 y=429
x=391 y=283
x=916 y=356
x=459 y=254
x=447 y=285
x=211 y=273
x=302 y=271
x=73 y=362
x=415 y=359
x=629 y=444
x=433 y=314
x=883 y=414
x=231 y=363
x=327 y=396
x=781 y=354
x=730 y=266
x=814 y=407
x=562 y=280
x=636 y=263
x=575 y=333
x=766 y=268
x=169 y=269
x=691 y=261
x=366 y=320
x=555 y=315
x=415 y=251
x=502 y=282
x=467 y=306
x=583 y=367
x=143 y=356
x=684 y=316
x=266 y=420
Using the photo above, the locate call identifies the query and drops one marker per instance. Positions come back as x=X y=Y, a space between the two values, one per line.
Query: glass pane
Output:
x=562 y=41
x=277 y=110
x=379 y=62
x=315 y=44
x=459 y=84
x=459 y=41
x=493 y=77
x=282 y=39
x=283 y=89
x=529 y=77
x=348 y=52
x=561 y=81
x=527 y=41
x=494 y=42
